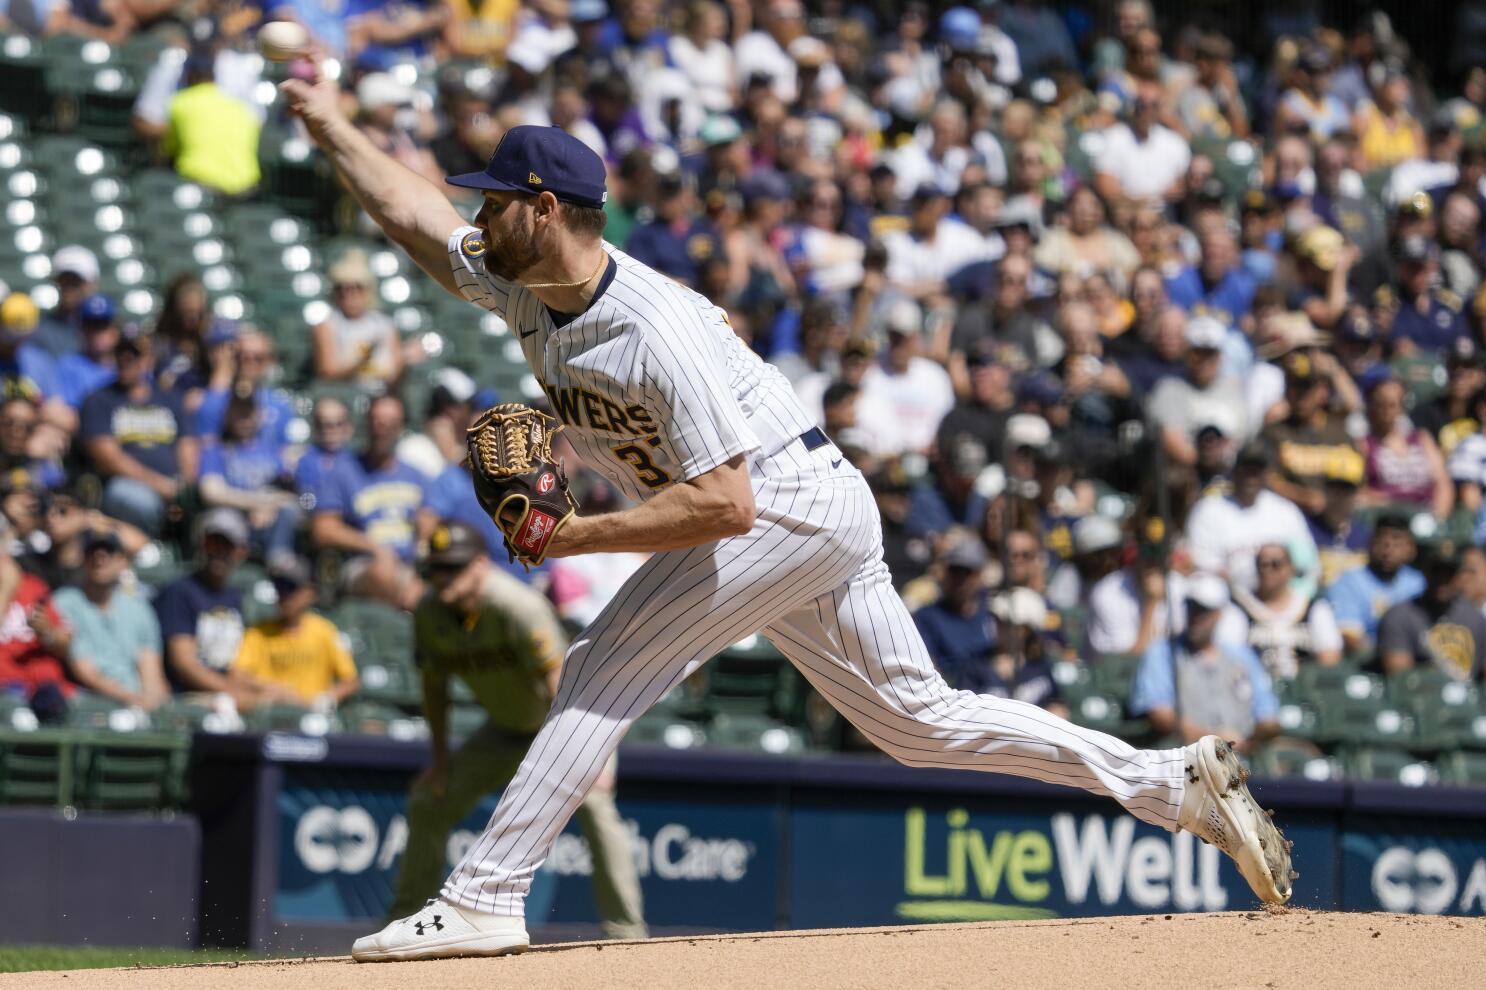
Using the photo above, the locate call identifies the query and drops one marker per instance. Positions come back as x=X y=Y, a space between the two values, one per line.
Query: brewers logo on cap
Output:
x=473 y=245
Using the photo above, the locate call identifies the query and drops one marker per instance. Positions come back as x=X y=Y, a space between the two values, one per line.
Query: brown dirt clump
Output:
x=1293 y=950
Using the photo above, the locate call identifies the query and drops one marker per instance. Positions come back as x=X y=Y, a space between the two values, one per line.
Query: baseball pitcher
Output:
x=756 y=522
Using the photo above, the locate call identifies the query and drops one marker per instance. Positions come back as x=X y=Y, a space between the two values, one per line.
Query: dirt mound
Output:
x=1303 y=950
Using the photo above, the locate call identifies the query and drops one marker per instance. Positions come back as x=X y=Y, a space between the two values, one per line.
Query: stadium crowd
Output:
x=1149 y=342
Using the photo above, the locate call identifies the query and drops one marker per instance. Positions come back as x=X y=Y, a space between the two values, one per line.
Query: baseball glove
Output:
x=517 y=480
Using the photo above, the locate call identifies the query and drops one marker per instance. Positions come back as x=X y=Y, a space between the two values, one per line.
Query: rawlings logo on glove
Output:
x=517 y=480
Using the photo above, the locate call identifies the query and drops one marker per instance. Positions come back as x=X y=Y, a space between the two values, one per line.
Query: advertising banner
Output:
x=968 y=860
x=1392 y=864
x=702 y=864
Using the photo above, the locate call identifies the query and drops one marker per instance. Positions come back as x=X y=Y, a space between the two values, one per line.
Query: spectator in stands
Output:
x=1403 y=463
x=183 y=357
x=700 y=49
x=934 y=246
x=357 y=342
x=57 y=554
x=1310 y=439
x=369 y=507
x=1440 y=628
x=115 y=648
x=1213 y=107
x=958 y=629
x=34 y=639
x=1125 y=605
x=1088 y=243
x=1325 y=262
x=451 y=408
x=83 y=372
x=251 y=363
x=297 y=657
x=138 y=439
x=1178 y=407
x=1002 y=327
x=915 y=391
x=211 y=134
x=1022 y=666
x=245 y=472
x=1142 y=161
x=382 y=101
x=677 y=242
x=1219 y=686
x=1339 y=206
x=1286 y=627
x=1308 y=107
x=23 y=460
x=479 y=30
x=1361 y=596
x=26 y=369
x=1453 y=416
x=75 y=275
x=1225 y=530
x=472 y=131
x=1218 y=286
x=330 y=433
x=383 y=32
x=1341 y=537
x=1387 y=131
x=1426 y=318
x=200 y=614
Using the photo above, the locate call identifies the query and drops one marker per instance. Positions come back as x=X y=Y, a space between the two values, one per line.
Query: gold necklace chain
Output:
x=603 y=260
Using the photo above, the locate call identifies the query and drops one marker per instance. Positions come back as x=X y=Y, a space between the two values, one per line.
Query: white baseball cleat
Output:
x=1218 y=808
x=441 y=930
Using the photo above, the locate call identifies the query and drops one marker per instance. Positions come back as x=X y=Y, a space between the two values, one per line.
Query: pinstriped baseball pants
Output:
x=810 y=577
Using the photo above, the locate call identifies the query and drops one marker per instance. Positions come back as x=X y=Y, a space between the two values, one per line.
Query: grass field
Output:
x=28 y=958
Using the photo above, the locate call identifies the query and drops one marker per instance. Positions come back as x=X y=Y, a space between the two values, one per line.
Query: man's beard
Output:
x=510 y=253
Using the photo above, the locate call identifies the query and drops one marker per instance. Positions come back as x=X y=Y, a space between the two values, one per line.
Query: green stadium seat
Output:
x=378 y=633
x=1075 y=681
x=23 y=67
x=1393 y=765
x=657 y=729
x=280 y=717
x=117 y=772
x=1290 y=758
x=754 y=733
x=1114 y=675
x=391 y=684
x=36 y=767
x=1463 y=768
x=751 y=677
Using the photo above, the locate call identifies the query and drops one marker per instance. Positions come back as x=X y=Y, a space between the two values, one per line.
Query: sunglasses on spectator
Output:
x=1023 y=555
x=1272 y=563
x=331 y=424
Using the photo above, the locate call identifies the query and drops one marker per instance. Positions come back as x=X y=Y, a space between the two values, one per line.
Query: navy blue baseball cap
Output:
x=533 y=159
x=96 y=309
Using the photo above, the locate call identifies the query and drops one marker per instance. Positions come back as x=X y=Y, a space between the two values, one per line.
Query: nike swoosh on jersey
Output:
x=528 y=333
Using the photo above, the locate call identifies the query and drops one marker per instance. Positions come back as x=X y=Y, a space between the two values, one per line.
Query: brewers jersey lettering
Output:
x=650 y=381
x=657 y=389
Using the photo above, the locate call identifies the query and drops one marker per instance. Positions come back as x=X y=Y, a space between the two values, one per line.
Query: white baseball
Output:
x=282 y=41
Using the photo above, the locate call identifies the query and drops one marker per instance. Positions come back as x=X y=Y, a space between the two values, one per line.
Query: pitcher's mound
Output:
x=1287 y=950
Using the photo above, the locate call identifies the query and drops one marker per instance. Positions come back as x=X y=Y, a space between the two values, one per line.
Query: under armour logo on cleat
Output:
x=437 y=924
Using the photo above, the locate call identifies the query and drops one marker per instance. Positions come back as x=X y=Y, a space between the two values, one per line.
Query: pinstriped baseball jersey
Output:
x=657 y=388
x=651 y=381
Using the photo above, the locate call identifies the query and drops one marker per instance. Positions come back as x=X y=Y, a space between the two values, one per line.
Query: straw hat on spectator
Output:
x=1291 y=332
x=1321 y=246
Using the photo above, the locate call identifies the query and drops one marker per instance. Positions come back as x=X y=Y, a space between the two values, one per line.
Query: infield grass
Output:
x=28 y=958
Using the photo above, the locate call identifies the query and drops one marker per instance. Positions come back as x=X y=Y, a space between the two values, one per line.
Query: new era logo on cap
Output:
x=534 y=159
